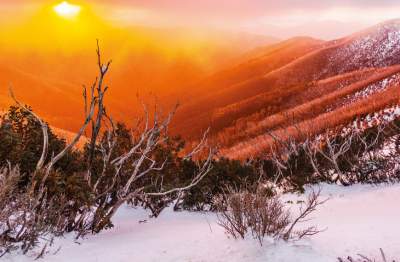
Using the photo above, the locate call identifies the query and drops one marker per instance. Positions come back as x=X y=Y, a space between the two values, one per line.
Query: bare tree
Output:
x=336 y=150
x=311 y=150
x=101 y=90
x=143 y=165
x=135 y=174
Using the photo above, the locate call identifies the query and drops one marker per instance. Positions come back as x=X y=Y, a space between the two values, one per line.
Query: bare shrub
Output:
x=362 y=258
x=232 y=213
x=241 y=211
x=25 y=219
x=309 y=207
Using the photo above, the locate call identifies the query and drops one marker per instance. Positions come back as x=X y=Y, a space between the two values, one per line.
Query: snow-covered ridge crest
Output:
x=377 y=46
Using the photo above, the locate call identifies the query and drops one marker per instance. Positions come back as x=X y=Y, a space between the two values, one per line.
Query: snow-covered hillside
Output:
x=357 y=219
x=375 y=47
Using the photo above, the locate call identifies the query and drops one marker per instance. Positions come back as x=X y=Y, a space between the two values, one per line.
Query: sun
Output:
x=67 y=10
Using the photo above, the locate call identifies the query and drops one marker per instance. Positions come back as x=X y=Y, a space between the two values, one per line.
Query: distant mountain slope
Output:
x=259 y=62
x=340 y=79
x=225 y=87
x=43 y=95
x=328 y=112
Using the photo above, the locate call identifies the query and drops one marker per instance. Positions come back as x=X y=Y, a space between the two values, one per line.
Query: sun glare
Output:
x=67 y=10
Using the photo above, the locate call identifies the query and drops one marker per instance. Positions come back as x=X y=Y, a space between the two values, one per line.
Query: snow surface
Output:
x=358 y=219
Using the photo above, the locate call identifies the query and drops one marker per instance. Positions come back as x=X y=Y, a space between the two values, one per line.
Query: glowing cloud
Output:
x=67 y=10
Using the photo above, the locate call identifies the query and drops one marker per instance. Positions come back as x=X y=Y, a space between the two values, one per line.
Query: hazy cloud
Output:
x=284 y=18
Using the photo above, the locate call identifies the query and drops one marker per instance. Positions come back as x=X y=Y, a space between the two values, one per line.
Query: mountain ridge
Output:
x=368 y=54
